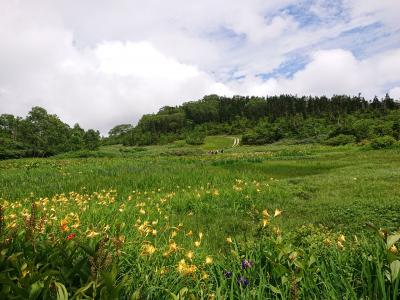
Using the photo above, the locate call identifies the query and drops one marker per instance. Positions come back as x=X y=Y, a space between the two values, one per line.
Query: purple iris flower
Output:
x=246 y=264
x=242 y=281
x=228 y=274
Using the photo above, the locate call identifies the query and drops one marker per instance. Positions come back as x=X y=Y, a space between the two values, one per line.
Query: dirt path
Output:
x=235 y=142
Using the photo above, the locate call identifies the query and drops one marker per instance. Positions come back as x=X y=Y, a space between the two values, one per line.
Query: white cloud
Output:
x=101 y=64
x=329 y=72
x=395 y=93
x=141 y=60
x=385 y=11
x=335 y=71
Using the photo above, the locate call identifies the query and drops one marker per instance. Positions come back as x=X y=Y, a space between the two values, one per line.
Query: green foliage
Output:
x=119 y=130
x=132 y=149
x=383 y=142
x=41 y=135
x=45 y=261
x=266 y=120
x=341 y=139
x=264 y=133
x=196 y=137
x=260 y=121
x=85 y=154
x=298 y=171
x=91 y=139
x=117 y=135
x=58 y=216
x=218 y=142
x=220 y=196
x=40 y=263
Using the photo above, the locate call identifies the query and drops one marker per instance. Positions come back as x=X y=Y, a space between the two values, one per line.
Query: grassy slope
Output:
x=217 y=142
x=195 y=201
x=340 y=187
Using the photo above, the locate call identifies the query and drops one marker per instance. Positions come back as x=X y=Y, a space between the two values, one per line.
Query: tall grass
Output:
x=51 y=253
x=232 y=226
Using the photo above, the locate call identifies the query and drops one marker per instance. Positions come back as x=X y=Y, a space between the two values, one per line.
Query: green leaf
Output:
x=23 y=293
x=24 y=266
x=298 y=279
x=13 y=258
x=275 y=289
x=136 y=295
x=395 y=269
x=392 y=239
x=298 y=264
x=88 y=249
x=387 y=275
x=183 y=292
x=80 y=267
x=173 y=296
x=83 y=289
x=312 y=260
x=35 y=290
x=180 y=294
x=62 y=293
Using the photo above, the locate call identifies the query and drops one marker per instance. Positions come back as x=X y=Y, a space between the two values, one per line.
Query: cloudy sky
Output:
x=103 y=63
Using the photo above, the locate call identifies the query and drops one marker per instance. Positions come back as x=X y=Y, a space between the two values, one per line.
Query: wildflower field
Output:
x=174 y=222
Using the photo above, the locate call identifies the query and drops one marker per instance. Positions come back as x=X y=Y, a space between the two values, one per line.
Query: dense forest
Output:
x=337 y=120
x=40 y=134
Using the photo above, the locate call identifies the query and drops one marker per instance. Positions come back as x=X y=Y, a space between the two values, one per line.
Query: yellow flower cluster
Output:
x=148 y=249
x=340 y=241
x=185 y=268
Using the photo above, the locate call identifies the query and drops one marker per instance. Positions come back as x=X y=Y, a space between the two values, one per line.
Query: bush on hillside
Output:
x=262 y=136
x=341 y=139
x=195 y=138
x=382 y=142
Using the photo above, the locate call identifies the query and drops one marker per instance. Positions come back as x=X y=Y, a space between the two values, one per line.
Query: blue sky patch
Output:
x=292 y=65
x=315 y=13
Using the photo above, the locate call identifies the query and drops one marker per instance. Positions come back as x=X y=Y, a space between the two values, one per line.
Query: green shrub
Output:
x=85 y=154
x=43 y=263
x=132 y=149
x=382 y=142
x=262 y=137
x=10 y=154
x=195 y=138
x=341 y=139
x=178 y=144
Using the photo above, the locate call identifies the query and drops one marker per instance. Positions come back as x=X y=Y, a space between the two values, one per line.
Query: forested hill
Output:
x=41 y=134
x=337 y=120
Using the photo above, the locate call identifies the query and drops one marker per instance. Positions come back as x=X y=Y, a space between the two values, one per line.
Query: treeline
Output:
x=337 y=120
x=40 y=134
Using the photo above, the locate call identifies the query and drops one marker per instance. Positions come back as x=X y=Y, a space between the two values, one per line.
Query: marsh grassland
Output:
x=282 y=221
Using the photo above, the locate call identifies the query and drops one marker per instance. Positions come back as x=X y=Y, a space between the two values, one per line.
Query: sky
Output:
x=101 y=63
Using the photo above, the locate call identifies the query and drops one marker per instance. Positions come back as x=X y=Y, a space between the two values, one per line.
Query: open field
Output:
x=176 y=202
x=333 y=186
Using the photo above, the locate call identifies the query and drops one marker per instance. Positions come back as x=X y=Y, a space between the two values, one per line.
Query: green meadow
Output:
x=284 y=221
x=340 y=187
